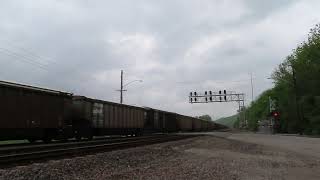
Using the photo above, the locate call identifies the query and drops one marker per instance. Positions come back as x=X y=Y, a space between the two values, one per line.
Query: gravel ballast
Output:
x=204 y=157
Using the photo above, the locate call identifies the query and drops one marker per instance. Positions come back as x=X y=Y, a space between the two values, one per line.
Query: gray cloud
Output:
x=174 y=46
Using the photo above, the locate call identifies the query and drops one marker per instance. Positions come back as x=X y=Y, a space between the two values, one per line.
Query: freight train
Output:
x=33 y=113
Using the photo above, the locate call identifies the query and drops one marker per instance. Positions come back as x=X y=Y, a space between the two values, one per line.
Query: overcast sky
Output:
x=174 y=46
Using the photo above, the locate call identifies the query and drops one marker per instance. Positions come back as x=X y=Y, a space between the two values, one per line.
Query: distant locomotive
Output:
x=34 y=113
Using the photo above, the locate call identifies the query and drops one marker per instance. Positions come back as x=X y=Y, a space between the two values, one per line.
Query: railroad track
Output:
x=27 y=154
x=3 y=146
x=27 y=147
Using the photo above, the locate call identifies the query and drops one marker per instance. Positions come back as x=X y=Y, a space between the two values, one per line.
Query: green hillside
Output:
x=228 y=121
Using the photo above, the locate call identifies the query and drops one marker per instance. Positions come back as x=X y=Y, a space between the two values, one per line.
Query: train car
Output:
x=33 y=113
x=154 y=120
x=96 y=117
x=220 y=126
x=184 y=123
x=211 y=126
x=203 y=125
x=171 y=122
x=196 y=124
x=159 y=121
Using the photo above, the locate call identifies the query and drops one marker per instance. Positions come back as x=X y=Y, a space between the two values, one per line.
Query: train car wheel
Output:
x=47 y=140
x=89 y=135
x=48 y=136
x=31 y=140
x=78 y=137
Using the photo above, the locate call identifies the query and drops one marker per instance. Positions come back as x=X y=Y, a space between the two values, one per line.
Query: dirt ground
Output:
x=206 y=157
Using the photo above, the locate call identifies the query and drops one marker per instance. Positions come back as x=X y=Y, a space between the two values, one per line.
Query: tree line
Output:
x=296 y=90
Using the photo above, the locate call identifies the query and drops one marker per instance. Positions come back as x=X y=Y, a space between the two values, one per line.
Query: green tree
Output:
x=206 y=117
x=296 y=88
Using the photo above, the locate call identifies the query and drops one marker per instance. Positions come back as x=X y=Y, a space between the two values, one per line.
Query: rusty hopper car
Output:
x=220 y=126
x=96 y=117
x=196 y=124
x=184 y=123
x=204 y=125
x=154 y=120
x=210 y=125
x=33 y=113
x=171 y=122
x=160 y=121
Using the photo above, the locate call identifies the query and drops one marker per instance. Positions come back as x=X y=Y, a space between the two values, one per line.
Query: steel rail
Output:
x=39 y=154
x=43 y=146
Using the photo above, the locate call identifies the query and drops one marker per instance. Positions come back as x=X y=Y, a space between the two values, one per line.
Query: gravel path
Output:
x=205 y=157
x=305 y=145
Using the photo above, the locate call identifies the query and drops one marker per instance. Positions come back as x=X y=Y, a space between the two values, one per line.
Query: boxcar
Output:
x=33 y=113
x=96 y=117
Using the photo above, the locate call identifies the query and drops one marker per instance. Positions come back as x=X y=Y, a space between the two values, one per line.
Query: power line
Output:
x=23 y=58
x=218 y=82
x=251 y=86
x=30 y=52
x=21 y=55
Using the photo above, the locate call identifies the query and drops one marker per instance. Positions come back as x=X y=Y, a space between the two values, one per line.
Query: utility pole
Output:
x=251 y=87
x=121 y=88
x=125 y=85
x=294 y=78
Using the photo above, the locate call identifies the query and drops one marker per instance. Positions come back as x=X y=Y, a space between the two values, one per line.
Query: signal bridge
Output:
x=210 y=96
x=220 y=96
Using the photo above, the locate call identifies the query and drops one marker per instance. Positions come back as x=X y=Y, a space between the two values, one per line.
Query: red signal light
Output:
x=275 y=114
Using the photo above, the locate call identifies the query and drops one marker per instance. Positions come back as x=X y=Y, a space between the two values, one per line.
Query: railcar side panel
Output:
x=196 y=124
x=184 y=123
x=110 y=118
x=31 y=112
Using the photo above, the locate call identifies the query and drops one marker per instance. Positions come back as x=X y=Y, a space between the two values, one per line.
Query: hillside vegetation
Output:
x=296 y=90
x=228 y=121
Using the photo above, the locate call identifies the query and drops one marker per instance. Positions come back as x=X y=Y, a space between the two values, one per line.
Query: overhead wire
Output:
x=218 y=82
x=28 y=51
x=23 y=58
x=32 y=58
